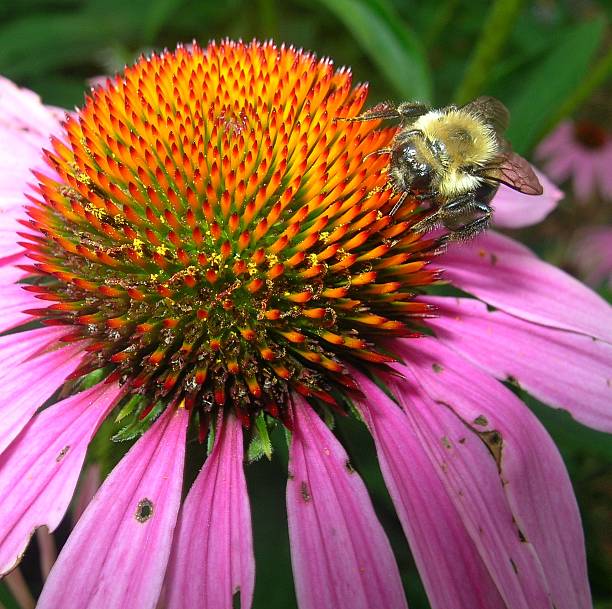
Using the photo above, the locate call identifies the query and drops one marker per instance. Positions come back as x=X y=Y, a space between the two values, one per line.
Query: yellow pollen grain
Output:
x=162 y=250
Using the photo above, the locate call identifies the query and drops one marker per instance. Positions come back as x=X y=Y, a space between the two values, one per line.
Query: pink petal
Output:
x=9 y=271
x=214 y=531
x=558 y=142
x=591 y=252
x=341 y=556
x=563 y=167
x=40 y=469
x=113 y=560
x=453 y=573
x=467 y=416
x=22 y=111
x=563 y=369
x=26 y=386
x=509 y=276
x=13 y=301
x=584 y=180
x=20 y=346
x=10 y=215
x=514 y=209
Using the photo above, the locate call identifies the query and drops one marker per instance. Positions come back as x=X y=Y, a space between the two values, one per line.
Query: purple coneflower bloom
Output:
x=580 y=152
x=208 y=254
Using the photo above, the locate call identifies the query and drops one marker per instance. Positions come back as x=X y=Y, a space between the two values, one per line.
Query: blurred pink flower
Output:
x=580 y=152
x=480 y=489
x=590 y=252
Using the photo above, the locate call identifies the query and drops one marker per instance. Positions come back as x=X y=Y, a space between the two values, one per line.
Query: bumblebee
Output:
x=453 y=158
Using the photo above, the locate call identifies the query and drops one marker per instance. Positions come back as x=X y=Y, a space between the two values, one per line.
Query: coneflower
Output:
x=207 y=252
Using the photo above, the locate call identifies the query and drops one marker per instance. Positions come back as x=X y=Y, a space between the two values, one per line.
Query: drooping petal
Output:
x=563 y=369
x=40 y=469
x=341 y=556
x=26 y=386
x=214 y=532
x=117 y=554
x=454 y=574
x=509 y=276
x=515 y=210
x=500 y=453
x=13 y=301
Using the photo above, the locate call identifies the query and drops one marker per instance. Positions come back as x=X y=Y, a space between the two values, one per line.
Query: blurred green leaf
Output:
x=389 y=43
x=34 y=45
x=550 y=82
x=496 y=30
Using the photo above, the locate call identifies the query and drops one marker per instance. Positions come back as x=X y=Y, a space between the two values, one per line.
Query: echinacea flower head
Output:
x=579 y=152
x=207 y=251
x=215 y=236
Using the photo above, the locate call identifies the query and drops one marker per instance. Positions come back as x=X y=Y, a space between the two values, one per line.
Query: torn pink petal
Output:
x=26 y=386
x=505 y=472
x=341 y=556
x=117 y=554
x=509 y=276
x=453 y=573
x=13 y=301
x=563 y=369
x=214 y=531
x=39 y=470
x=515 y=210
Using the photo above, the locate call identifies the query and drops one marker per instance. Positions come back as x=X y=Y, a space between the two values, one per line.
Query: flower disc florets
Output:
x=215 y=235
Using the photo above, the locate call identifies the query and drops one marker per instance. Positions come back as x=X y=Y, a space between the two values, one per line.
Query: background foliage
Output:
x=546 y=59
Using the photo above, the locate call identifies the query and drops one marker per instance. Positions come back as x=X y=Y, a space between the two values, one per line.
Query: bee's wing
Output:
x=514 y=171
x=491 y=111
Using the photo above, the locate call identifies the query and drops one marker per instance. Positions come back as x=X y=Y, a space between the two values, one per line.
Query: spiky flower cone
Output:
x=216 y=236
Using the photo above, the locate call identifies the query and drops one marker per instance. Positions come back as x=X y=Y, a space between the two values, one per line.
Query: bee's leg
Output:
x=410 y=110
x=377 y=152
x=406 y=111
x=427 y=223
x=380 y=111
x=471 y=229
x=465 y=217
x=425 y=196
x=398 y=204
